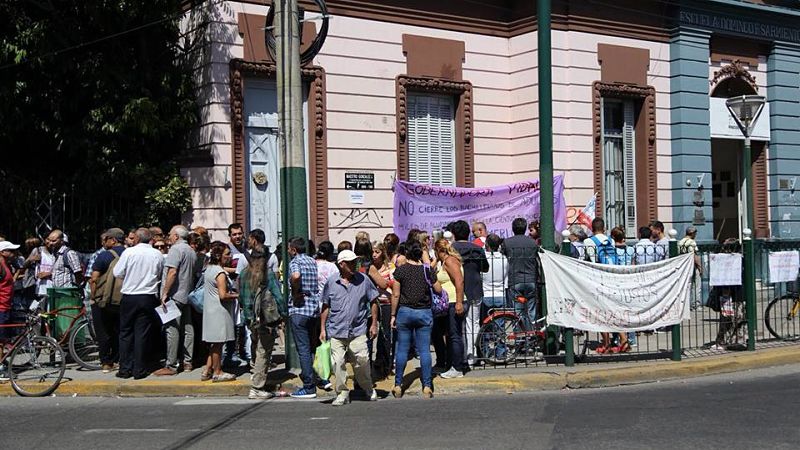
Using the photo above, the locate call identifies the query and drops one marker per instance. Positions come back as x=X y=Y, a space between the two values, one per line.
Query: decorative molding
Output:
x=734 y=70
x=647 y=96
x=317 y=138
x=465 y=158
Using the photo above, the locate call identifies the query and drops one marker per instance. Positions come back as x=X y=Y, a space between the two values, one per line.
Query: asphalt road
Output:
x=756 y=409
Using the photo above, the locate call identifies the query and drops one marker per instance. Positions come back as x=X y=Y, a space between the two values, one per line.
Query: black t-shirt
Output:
x=414 y=289
x=105 y=258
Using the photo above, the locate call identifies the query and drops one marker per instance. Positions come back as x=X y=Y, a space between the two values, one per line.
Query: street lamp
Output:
x=745 y=110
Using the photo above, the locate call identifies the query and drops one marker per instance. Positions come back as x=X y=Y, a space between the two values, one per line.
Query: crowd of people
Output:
x=371 y=299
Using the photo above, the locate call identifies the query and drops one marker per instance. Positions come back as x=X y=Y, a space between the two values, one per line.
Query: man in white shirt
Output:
x=645 y=249
x=140 y=268
x=661 y=240
x=598 y=236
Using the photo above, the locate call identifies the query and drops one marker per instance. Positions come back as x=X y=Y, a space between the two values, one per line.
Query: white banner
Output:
x=726 y=269
x=599 y=297
x=783 y=266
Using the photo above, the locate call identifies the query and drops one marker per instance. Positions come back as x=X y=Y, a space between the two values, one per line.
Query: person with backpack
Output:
x=259 y=296
x=599 y=248
x=106 y=295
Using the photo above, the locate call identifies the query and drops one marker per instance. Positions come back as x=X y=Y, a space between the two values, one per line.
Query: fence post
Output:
x=749 y=287
x=677 y=345
x=569 y=344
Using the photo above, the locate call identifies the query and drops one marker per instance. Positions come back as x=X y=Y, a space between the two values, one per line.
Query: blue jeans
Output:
x=416 y=322
x=303 y=328
x=527 y=290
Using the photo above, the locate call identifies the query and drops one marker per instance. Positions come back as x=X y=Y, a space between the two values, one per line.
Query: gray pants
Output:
x=184 y=322
x=263 y=342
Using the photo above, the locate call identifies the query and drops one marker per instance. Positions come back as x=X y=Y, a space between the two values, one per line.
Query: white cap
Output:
x=7 y=245
x=346 y=255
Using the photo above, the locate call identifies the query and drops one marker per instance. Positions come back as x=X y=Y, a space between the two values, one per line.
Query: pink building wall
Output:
x=362 y=58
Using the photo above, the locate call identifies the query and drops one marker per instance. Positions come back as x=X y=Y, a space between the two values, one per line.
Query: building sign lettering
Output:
x=741 y=26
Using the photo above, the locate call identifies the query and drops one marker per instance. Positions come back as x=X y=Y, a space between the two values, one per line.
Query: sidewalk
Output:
x=480 y=381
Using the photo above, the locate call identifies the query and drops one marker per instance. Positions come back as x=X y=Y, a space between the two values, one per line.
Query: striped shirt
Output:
x=309 y=284
x=67 y=264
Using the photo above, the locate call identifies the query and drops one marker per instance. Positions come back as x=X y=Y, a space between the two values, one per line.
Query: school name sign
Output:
x=426 y=207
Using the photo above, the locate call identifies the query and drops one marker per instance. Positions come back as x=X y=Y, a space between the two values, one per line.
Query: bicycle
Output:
x=782 y=317
x=506 y=336
x=79 y=338
x=35 y=363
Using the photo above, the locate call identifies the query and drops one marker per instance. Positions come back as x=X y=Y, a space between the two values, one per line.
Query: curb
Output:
x=560 y=378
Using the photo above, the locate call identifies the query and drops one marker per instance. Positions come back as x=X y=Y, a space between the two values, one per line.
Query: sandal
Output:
x=602 y=349
x=624 y=348
x=205 y=376
x=224 y=376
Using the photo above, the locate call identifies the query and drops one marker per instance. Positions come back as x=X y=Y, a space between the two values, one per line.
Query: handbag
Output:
x=440 y=303
x=198 y=293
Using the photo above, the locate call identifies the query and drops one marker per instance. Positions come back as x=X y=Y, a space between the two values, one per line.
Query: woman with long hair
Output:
x=383 y=358
x=218 y=303
x=390 y=242
x=412 y=317
x=450 y=275
x=256 y=276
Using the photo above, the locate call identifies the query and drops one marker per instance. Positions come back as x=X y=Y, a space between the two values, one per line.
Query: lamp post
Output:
x=745 y=111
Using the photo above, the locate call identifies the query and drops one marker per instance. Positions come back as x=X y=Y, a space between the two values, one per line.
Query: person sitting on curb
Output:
x=346 y=300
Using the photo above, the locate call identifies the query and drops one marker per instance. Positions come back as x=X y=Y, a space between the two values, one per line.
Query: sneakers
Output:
x=325 y=385
x=107 y=368
x=259 y=394
x=342 y=399
x=373 y=396
x=304 y=393
x=188 y=367
x=452 y=373
x=4 y=374
x=427 y=392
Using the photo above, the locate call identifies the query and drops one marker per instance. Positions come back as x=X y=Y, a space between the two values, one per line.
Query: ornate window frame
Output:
x=462 y=91
x=647 y=95
x=317 y=141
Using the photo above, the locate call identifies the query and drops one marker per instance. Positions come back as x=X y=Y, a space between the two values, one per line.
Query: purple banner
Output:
x=429 y=208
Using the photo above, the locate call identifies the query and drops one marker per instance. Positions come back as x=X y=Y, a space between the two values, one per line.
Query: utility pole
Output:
x=294 y=197
x=543 y=49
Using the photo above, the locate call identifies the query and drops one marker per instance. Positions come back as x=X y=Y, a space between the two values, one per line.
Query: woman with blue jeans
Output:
x=412 y=316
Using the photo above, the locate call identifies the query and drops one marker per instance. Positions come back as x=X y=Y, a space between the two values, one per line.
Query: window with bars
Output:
x=431 y=140
x=619 y=164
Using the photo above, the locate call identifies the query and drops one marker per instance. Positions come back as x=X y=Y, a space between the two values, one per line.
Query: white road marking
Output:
x=214 y=401
x=135 y=430
x=320 y=418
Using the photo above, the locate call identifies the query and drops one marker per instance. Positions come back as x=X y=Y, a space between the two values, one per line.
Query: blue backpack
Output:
x=606 y=252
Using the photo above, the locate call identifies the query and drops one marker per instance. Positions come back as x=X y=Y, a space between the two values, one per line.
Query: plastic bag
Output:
x=322 y=360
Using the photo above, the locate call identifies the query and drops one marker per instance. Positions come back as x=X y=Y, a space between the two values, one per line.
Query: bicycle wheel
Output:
x=36 y=367
x=781 y=319
x=493 y=343
x=83 y=346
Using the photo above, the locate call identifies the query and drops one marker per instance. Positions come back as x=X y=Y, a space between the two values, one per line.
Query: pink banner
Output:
x=429 y=208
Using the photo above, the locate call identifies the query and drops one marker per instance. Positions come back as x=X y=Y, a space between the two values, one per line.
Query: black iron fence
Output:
x=719 y=319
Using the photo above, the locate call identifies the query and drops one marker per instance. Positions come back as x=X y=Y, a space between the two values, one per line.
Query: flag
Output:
x=586 y=215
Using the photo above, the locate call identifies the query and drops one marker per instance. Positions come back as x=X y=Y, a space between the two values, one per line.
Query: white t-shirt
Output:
x=589 y=242
x=140 y=268
x=45 y=265
x=494 y=281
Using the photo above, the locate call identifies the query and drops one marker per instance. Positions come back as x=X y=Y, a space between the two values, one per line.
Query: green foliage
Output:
x=96 y=101
x=168 y=200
